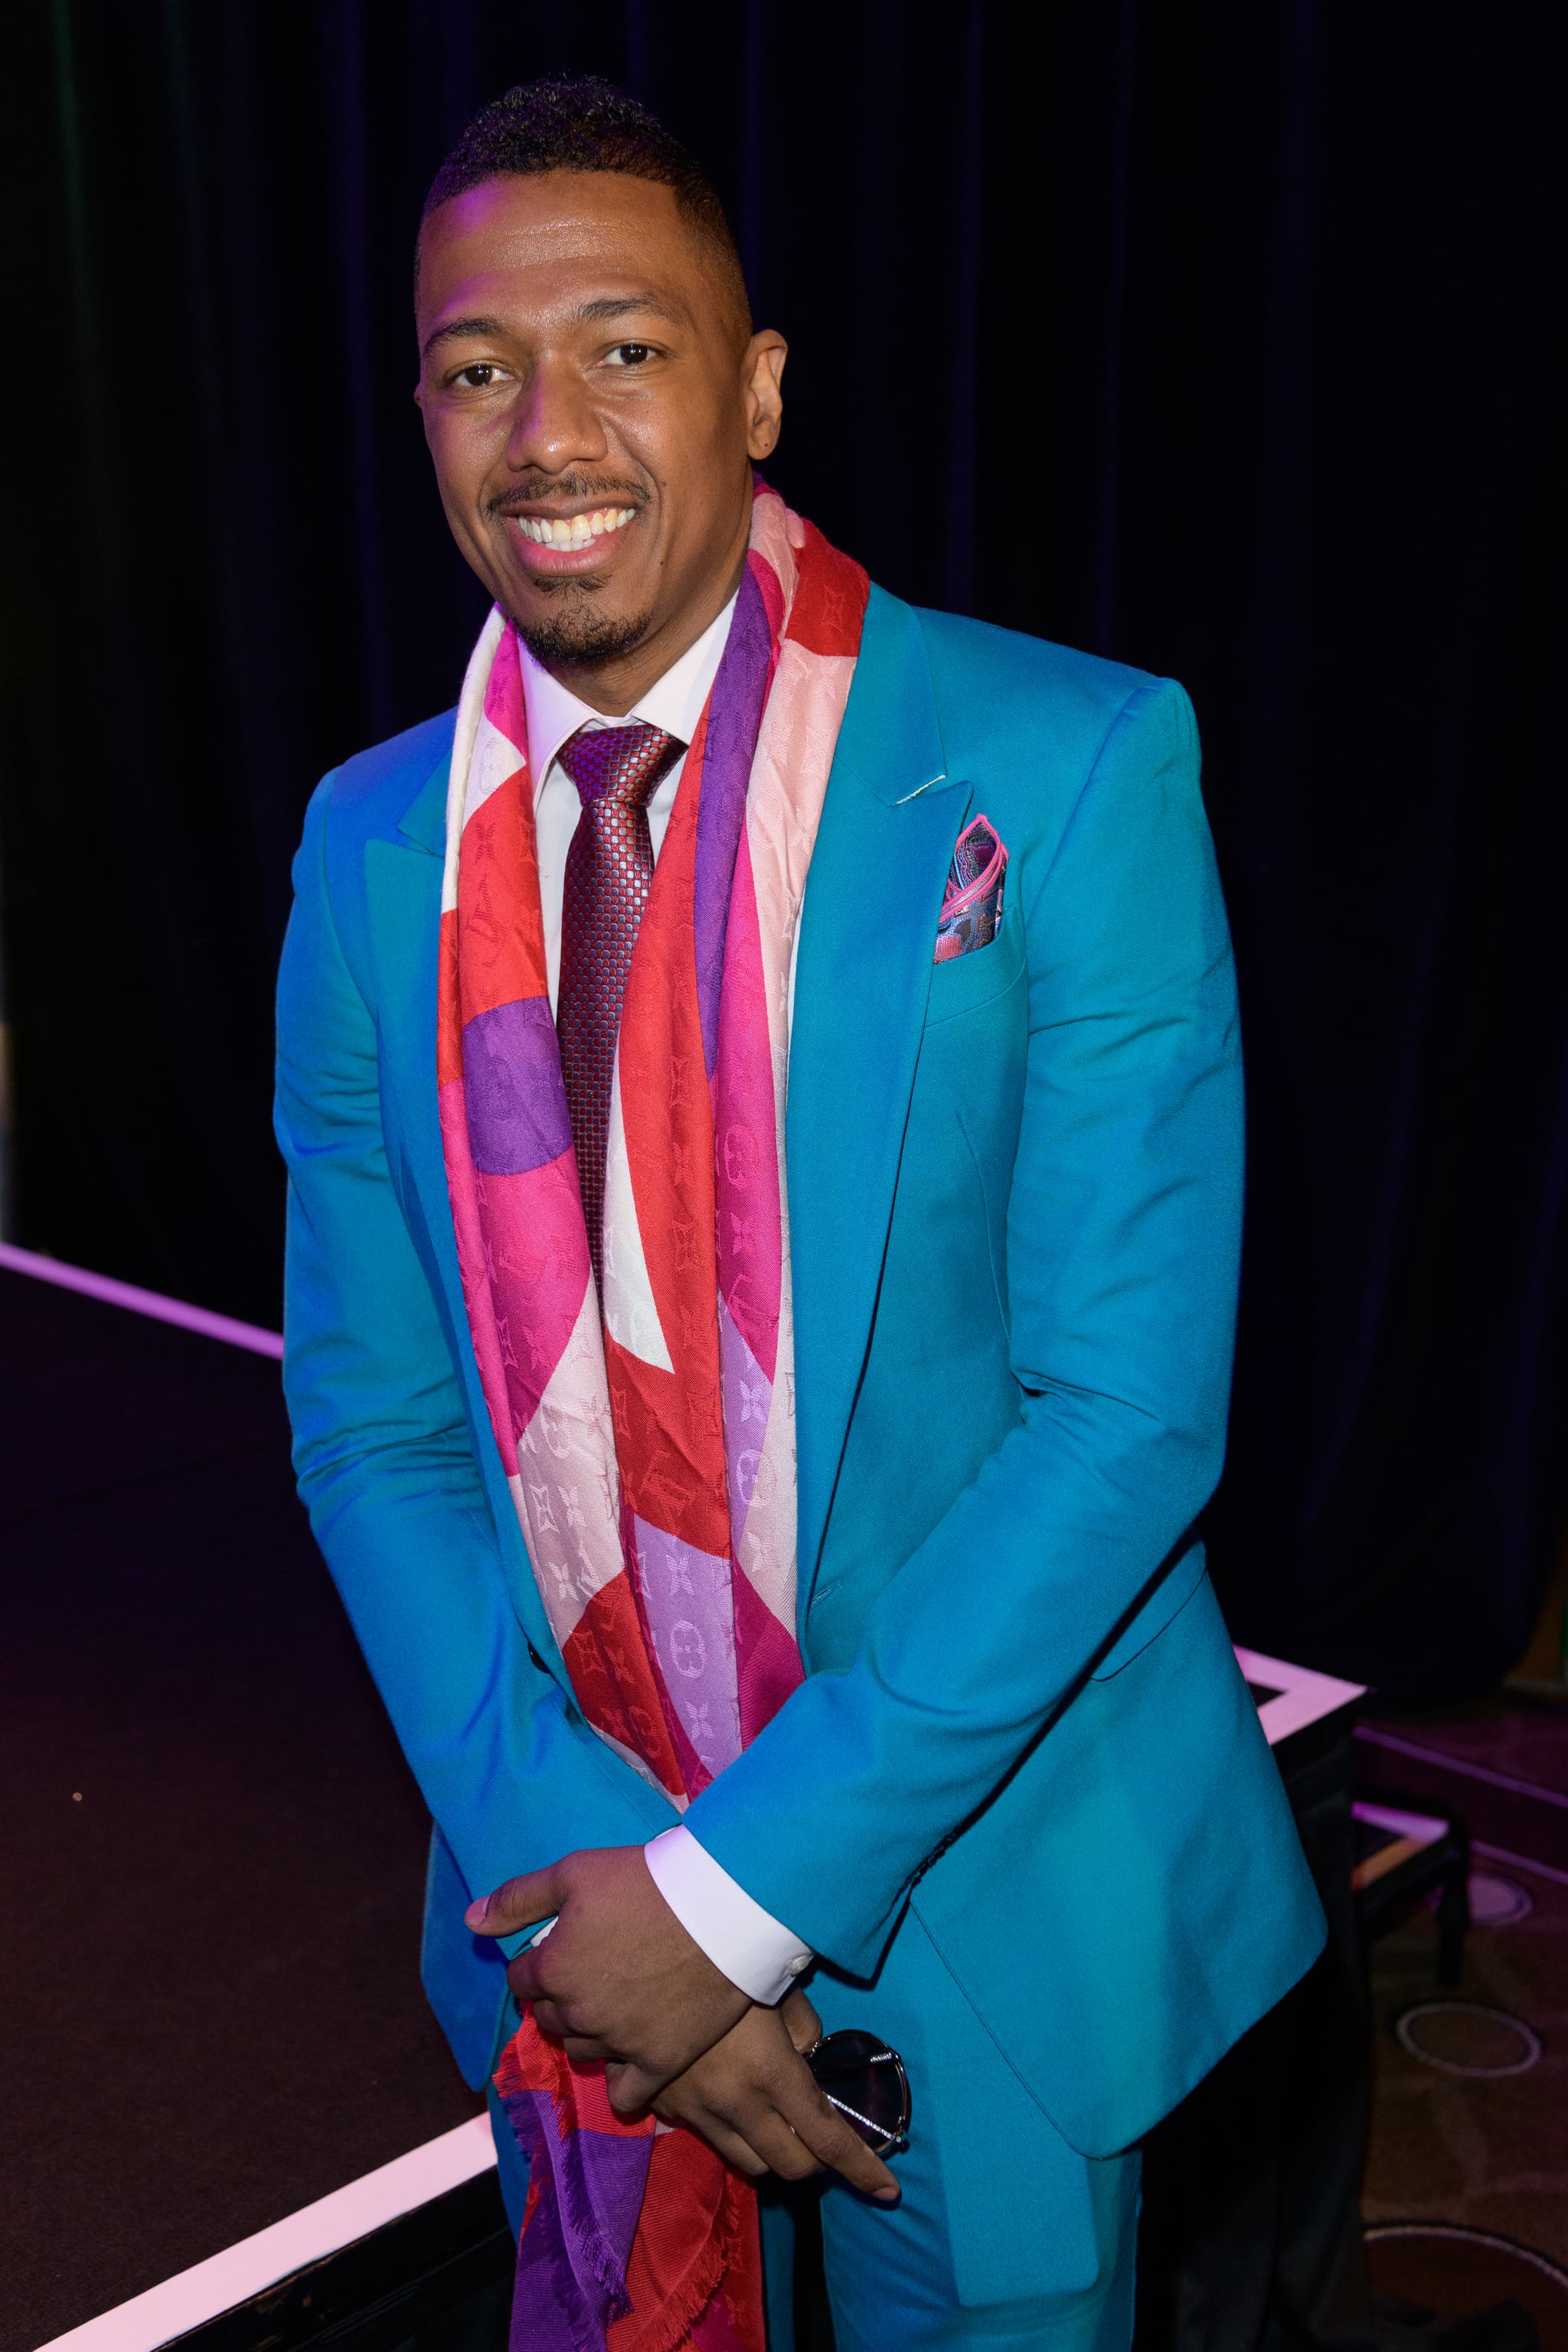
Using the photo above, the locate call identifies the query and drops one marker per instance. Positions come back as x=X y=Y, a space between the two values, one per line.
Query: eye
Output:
x=479 y=376
x=630 y=355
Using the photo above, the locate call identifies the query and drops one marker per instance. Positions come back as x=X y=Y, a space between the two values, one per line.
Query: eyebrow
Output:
x=456 y=329
x=607 y=307
x=617 y=306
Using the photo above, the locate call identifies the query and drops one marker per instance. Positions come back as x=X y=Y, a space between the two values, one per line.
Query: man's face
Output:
x=592 y=402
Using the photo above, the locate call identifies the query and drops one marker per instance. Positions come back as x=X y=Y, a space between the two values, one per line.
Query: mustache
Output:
x=607 y=492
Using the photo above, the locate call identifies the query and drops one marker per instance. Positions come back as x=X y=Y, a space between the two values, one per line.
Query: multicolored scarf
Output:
x=650 y=1451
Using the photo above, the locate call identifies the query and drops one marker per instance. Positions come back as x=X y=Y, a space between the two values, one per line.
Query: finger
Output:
x=679 y=2102
x=802 y=2022
x=726 y=2139
x=559 y=2023
x=781 y=2150
x=583 y=2050
x=831 y=2138
x=521 y=1903
x=528 y=1976
x=631 y=2088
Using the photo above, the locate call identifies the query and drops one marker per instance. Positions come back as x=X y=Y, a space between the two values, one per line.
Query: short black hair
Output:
x=586 y=124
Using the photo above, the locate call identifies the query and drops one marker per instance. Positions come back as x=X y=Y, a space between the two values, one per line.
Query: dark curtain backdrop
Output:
x=1225 y=338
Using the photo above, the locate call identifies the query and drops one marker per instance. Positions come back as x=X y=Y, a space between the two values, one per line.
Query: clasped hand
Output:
x=618 y=1979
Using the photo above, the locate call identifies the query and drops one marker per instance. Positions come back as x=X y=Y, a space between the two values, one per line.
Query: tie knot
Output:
x=620 y=764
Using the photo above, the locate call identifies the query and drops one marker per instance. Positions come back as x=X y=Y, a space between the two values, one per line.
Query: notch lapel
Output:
x=402 y=888
x=867 y=931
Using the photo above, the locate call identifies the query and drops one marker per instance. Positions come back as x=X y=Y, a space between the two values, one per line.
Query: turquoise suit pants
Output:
x=1006 y=2236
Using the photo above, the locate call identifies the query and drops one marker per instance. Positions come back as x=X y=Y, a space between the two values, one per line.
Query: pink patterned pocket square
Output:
x=971 y=904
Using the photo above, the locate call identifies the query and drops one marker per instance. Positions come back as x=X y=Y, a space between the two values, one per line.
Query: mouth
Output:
x=574 y=542
x=575 y=530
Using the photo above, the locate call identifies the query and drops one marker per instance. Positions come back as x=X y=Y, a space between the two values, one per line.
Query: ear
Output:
x=761 y=377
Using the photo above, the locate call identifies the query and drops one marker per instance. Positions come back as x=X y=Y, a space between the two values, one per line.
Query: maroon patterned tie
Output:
x=617 y=771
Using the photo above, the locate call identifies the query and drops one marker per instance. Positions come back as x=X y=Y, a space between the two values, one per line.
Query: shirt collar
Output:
x=673 y=701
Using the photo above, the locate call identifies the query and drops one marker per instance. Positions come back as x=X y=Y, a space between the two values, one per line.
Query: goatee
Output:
x=578 y=637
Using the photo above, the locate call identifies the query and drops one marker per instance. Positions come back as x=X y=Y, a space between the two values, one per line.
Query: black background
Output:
x=1227 y=338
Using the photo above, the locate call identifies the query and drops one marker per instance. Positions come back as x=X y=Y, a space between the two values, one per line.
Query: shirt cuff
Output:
x=747 y=1943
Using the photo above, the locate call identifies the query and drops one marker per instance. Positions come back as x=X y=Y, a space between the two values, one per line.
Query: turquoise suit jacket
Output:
x=1014 y=1192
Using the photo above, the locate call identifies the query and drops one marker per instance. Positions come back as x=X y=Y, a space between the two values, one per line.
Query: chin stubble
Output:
x=578 y=637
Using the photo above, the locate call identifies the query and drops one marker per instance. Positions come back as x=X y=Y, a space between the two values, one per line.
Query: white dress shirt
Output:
x=752 y=1948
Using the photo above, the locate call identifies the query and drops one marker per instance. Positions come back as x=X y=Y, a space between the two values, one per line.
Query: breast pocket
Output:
x=966 y=981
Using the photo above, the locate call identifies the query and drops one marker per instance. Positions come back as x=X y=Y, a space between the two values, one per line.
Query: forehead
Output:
x=549 y=241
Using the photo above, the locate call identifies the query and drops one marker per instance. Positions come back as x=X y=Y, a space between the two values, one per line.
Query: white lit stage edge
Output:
x=208 y=2289
x=1293 y=1698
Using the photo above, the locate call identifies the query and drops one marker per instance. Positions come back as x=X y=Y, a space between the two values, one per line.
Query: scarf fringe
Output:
x=669 y=2328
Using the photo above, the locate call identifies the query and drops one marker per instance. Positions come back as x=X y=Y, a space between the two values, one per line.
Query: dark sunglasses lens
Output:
x=866 y=2083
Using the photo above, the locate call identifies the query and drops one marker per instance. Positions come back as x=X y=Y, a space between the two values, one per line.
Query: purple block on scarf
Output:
x=572 y=2260
x=691 y=1621
x=516 y=1102
x=748 y=1396
x=732 y=718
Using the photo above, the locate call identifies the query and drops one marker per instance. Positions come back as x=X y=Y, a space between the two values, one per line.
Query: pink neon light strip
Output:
x=1463 y=1766
x=142 y=1302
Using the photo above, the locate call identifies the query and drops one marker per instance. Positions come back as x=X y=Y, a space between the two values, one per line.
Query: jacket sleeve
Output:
x=384 y=1455
x=1122 y=1247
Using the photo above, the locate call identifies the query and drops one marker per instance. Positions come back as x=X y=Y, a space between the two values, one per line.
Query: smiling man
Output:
x=759 y=1089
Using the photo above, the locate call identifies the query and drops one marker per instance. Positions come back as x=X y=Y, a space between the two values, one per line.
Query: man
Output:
x=760 y=1087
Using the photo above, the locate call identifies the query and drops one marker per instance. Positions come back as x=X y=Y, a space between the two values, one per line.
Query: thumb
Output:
x=521 y=1903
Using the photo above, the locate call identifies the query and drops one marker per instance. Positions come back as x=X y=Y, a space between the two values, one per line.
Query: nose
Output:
x=555 y=426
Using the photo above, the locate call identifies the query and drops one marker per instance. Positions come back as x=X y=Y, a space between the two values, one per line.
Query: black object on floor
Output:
x=1386 y=1895
x=212 y=1850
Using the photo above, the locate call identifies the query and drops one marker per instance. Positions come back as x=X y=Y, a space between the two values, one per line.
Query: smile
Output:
x=580 y=531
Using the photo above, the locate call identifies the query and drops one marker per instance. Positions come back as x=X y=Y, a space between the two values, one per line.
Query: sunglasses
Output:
x=866 y=2083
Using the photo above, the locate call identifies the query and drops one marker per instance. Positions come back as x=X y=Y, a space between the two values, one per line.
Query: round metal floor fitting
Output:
x=1457 y=2234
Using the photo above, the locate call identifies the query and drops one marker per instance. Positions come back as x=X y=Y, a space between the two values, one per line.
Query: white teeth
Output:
x=579 y=530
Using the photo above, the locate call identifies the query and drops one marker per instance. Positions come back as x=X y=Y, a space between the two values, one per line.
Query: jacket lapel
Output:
x=424 y=821
x=868 y=930
x=402 y=885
